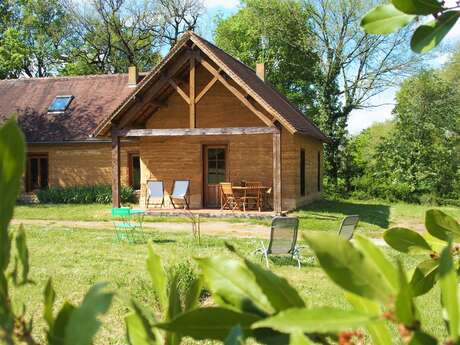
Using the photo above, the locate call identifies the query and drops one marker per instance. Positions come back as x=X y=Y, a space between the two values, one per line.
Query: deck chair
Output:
x=125 y=226
x=283 y=239
x=228 y=199
x=348 y=226
x=180 y=192
x=155 y=191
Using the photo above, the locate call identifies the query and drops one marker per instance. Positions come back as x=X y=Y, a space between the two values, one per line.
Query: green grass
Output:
x=78 y=258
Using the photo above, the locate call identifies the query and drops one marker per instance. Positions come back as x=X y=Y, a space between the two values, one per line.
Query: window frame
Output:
x=302 y=172
x=60 y=110
x=131 y=155
x=28 y=175
x=318 y=170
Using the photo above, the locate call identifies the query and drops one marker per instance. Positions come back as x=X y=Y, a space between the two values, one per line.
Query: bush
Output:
x=83 y=195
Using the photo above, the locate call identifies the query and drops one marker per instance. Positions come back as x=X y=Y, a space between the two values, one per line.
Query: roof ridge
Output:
x=62 y=77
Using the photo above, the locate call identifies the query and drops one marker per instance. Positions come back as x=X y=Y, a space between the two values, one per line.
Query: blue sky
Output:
x=360 y=119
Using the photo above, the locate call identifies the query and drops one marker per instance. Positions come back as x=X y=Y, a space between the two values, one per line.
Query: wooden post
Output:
x=192 y=105
x=115 y=169
x=277 y=201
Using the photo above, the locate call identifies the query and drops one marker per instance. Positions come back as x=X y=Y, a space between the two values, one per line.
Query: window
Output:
x=318 y=170
x=60 y=103
x=216 y=165
x=37 y=172
x=302 y=172
x=134 y=164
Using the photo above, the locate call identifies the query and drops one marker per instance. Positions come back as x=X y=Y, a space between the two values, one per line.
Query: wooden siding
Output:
x=83 y=164
x=249 y=158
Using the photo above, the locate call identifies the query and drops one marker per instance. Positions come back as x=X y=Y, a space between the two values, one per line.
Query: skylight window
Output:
x=60 y=103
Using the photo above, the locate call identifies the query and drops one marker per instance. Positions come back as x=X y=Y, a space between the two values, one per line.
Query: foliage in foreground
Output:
x=100 y=194
x=72 y=325
x=388 y=18
x=255 y=303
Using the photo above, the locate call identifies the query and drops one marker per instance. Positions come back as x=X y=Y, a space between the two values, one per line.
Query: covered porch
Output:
x=205 y=157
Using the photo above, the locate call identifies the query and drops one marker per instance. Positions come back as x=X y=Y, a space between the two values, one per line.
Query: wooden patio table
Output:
x=243 y=190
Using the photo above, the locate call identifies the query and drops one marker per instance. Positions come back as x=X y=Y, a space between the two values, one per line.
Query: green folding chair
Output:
x=125 y=227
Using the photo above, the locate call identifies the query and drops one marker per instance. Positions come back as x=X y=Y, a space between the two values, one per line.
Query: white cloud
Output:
x=227 y=4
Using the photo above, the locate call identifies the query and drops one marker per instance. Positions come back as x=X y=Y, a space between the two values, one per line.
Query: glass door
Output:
x=215 y=173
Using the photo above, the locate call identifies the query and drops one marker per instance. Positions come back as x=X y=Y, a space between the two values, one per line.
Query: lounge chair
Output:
x=126 y=227
x=283 y=239
x=348 y=226
x=180 y=192
x=156 y=192
x=228 y=199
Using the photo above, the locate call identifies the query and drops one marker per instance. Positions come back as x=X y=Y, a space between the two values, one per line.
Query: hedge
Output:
x=83 y=195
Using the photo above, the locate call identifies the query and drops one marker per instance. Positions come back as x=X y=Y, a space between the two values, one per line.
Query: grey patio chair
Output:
x=283 y=239
x=348 y=226
x=155 y=192
x=180 y=192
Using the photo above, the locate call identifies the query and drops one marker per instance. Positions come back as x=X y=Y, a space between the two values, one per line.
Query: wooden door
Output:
x=215 y=172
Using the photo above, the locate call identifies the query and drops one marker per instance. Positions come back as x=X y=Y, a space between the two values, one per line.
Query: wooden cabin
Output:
x=199 y=115
x=203 y=116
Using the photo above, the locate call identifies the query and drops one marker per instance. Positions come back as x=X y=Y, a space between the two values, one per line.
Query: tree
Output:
x=265 y=31
x=33 y=42
x=421 y=156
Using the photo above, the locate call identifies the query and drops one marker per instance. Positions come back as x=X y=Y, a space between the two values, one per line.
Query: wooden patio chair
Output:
x=283 y=239
x=229 y=201
x=180 y=191
x=252 y=197
x=155 y=191
x=348 y=227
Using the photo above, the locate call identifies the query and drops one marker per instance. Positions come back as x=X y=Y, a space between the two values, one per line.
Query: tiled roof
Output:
x=95 y=98
x=267 y=96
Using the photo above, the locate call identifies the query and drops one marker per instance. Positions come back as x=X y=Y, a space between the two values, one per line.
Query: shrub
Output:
x=83 y=195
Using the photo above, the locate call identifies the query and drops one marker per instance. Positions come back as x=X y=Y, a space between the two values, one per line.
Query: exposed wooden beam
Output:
x=179 y=90
x=277 y=201
x=235 y=92
x=177 y=132
x=115 y=169
x=205 y=90
x=192 y=82
x=158 y=85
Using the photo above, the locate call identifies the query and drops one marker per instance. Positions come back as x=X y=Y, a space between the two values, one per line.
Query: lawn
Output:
x=78 y=258
x=325 y=215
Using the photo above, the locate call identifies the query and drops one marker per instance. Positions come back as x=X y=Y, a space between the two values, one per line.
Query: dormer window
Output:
x=60 y=104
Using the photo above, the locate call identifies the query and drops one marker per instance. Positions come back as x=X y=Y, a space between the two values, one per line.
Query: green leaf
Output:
x=418 y=7
x=159 y=277
x=277 y=289
x=424 y=277
x=192 y=297
x=422 y=338
x=441 y=225
x=349 y=268
x=235 y=284
x=449 y=291
x=298 y=338
x=139 y=326
x=406 y=241
x=50 y=297
x=385 y=19
x=318 y=320
x=404 y=305
x=235 y=337
x=137 y=331
x=83 y=323
x=56 y=334
x=23 y=253
x=209 y=323
x=174 y=309
x=378 y=330
x=429 y=35
x=378 y=258
x=12 y=158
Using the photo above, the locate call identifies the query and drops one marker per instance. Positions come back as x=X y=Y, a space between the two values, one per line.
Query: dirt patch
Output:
x=410 y=223
x=207 y=228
